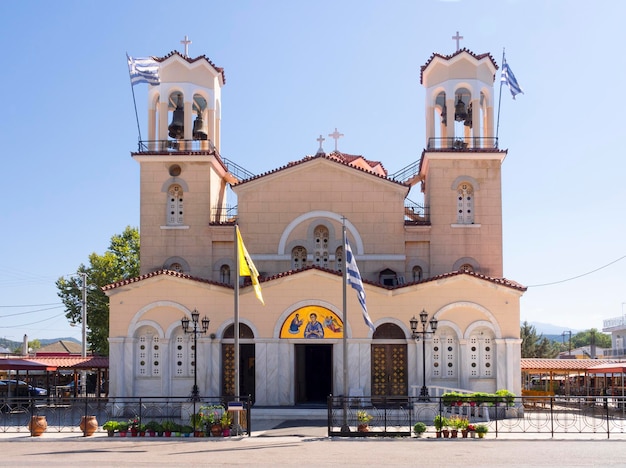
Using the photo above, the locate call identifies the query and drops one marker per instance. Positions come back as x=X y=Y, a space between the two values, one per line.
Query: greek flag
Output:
x=509 y=79
x=354 y=280
x=143 y=70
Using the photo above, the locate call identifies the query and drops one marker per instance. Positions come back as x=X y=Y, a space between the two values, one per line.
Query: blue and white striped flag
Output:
x=354 y=280
x=143 y=70
x=509 y=79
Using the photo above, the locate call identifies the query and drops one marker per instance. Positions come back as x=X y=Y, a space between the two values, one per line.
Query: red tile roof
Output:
x=337 y=157
x=500 y=281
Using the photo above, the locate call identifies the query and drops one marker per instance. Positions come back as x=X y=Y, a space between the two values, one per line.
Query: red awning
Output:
x=614 y=368
x=25 y=364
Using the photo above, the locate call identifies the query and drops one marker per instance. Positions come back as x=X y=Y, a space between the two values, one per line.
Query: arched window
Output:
x=321 y=246
x=177 y=267
x=465 y=204
x=481 y=354
x=339 y=259
x=298 y=258
x=184 y=354
x=444 y=355
x=175 y=205
x=466 y=267
x=417 y=273
x=148 y=353
x=225 y=274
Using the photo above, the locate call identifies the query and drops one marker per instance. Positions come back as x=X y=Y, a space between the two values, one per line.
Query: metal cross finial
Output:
x=321 y=139
x=186 y=43
x=335 y=135
x=457 y=38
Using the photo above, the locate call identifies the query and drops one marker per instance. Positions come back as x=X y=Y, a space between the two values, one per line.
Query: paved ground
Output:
x=284 y=443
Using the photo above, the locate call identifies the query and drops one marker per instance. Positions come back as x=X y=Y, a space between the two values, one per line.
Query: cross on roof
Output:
x=457 y=38
x=321 y=139
x=335 y=135
x=186 y=43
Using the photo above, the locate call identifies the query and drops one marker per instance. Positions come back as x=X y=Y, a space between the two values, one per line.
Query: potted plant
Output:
x=226 y=420
x=168 y=427
x=186 y=430
x=463 y=425
x=454 y=426
x=419 y=428
x=153 y=428
x=471 y=429
x=122 y=428
x=363 y=417
x=481 y=430
x=111 y=427
x=440 y=422
x=211 y=417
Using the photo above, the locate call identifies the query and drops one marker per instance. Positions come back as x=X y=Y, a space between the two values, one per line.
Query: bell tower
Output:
x=183 y=177
x=461 y=165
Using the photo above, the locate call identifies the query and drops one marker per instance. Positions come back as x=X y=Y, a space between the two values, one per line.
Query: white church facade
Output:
x=442 y=255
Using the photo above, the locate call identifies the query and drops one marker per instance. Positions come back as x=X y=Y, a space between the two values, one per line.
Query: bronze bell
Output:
x=468 y=120
x=460 y=114
x=177 y=127
x=199 y=133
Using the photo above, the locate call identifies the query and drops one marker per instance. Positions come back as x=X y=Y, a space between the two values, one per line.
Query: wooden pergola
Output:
x=565 y=376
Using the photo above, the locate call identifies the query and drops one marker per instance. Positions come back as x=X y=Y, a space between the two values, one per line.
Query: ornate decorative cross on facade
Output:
x=457 y=38
x=321 y=139
x=186 y=43
x=335 y=135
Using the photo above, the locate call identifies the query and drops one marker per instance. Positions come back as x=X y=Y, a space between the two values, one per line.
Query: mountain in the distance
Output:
x=549 y=329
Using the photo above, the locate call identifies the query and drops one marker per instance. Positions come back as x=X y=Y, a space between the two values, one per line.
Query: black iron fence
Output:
x=369 y=416
x=65 y=415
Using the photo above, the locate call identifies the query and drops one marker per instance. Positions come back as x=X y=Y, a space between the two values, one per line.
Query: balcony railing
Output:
x=615 y=322
x=459 y=144
x=415 y=214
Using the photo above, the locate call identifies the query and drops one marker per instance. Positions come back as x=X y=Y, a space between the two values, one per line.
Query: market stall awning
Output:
x=76 y=362
x=25 y=364
x=613 y=368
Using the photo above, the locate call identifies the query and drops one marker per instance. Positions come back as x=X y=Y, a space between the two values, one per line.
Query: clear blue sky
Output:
x=295 y=70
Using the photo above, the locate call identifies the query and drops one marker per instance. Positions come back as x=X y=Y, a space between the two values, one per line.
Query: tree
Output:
x=120 y=261
x=536 y=346
x=592 y=336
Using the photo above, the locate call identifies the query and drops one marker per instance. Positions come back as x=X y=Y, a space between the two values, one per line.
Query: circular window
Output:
x=143 y=363
x=488 y=364
x=450 y=348
x=473 y=364
x=487 y=348
x=175 y=170
x=156 y=346
x=436 y=348
x=179 y=363
x=436 y=364
x=449 y=364
x=473 y=348
x=142 y=347
x=156 y=363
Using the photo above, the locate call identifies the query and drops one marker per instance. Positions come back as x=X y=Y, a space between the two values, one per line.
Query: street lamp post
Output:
x=424 y=395
x=195 y=315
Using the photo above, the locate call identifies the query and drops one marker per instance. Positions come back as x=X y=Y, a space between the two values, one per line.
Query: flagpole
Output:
x=132 y=88
x=499 y=102
x=236 y=315
x=345 y=427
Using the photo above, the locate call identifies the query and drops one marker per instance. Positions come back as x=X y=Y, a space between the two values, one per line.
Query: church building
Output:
x=439 y=256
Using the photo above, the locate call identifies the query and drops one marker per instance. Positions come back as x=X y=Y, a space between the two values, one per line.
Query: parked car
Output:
x=23 y=389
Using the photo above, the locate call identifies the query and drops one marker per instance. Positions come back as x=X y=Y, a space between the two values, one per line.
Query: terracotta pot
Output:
x=123 y=433
x=446 y=433
x=89 y=425
x=37 y=425
x=363 y=428
x=216 y=430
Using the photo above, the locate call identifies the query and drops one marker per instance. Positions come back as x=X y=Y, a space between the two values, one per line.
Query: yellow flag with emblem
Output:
x=247 y=268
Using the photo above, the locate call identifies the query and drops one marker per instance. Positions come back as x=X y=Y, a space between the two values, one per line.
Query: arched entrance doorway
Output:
x=389 y=366
x=246 y=361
